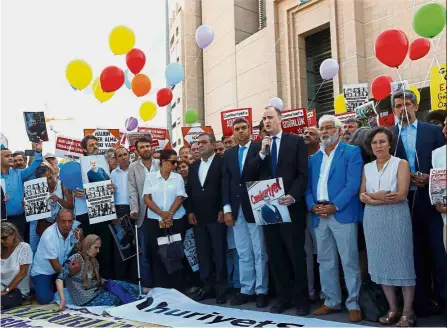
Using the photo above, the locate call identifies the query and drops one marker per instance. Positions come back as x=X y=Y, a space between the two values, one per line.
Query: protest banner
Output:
x=94 y=168
x=124 y=236
x=134 y=136
x=36 y=198
x=189 y=246
x=438 y=186
x=438 y=89
x=35 y=125
x=355 y=95
x=68 y=147
x=255 y=134
x=387 y=120
x=107 y=138
x=311 y=118
x=264 y=197
x=294 y=121
x=345 y=116
x=100 y=201
x=160 y=137
x=366 y=110
x=227 y=118
x=169 y=307
x=190 y=134
x=397 y=87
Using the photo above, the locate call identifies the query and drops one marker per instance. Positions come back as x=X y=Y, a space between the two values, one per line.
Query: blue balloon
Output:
x=71 y=176
x=174 y=73
x=126 y=78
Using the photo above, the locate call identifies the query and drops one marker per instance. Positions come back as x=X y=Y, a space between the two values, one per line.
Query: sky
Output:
x=39 y=39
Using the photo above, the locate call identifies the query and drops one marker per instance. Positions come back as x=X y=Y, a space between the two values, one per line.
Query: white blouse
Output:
x=10 y=267
x=386 y=178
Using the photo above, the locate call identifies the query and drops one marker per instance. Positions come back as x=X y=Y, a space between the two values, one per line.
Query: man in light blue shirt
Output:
x=55 y=247
x=13 y=180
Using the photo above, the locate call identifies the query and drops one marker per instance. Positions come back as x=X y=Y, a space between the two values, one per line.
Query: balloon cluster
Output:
x=392 y=45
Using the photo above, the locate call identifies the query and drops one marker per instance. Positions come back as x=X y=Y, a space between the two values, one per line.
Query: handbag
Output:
x=118 y=290
x=372 y=300
x=170 y=249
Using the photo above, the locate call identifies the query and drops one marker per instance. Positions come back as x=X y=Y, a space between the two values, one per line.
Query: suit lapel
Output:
x=400 y=145
x=338 y=152
x=250 y=152
x=282 y=150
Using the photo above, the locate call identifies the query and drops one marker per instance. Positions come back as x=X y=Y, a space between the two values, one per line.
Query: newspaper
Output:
x=36 y=198
x=100 y=201
x=437 y=186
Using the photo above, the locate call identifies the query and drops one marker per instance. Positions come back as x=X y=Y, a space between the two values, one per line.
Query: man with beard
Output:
x=195 y=151
x=349 y=127
x=136 y=177
x=332 y=196
x=19 y=160
x=416 y=142
x=312 y=140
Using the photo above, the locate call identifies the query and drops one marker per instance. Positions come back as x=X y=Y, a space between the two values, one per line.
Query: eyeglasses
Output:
x=172 y=161
x=5 y=237
x=331 y=127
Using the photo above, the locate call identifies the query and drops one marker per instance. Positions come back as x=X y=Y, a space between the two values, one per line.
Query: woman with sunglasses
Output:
x=16 y=259
x=164 y=193
x=60 y=198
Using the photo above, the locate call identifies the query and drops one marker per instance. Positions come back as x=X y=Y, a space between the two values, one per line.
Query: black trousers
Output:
x=12 y=299
x=211 y=242
x=20 y=222
x=160 y=277
x=287 y=258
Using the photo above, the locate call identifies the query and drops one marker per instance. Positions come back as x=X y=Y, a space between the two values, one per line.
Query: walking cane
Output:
x=138 y=260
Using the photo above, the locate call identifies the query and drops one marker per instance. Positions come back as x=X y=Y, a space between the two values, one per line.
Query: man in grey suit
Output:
x=137 y=175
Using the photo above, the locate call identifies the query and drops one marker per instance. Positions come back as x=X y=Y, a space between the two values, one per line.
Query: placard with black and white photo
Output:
x=35 y=125
x=124 y=235
x=37 y=199
x=189 y=247
x=100 y=201
x=94 y=168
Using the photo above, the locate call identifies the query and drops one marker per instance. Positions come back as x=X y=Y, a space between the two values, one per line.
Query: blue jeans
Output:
x=145 y=255
x=44 y=287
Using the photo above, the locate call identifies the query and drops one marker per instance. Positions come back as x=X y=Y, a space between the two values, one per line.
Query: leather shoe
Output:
x=355 y=315
x=241 y=298
x=262 y=301
x=303 y=310
x=221 y=299
x=202 y=295
x=323 y=310
x=280 y=307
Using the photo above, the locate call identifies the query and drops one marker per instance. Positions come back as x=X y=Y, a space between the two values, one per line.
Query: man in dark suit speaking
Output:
x=270 y=213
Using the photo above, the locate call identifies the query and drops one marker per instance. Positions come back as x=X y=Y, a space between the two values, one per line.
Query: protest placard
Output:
x=35 y=125
x=134 y=136
x=68 y=147
x=36 y=198
x=387 y=120
x=438 y=186
x=396 y=87
x=190 y=134
x=345 y=116
x=124 y=236
x=255 y=134
x=160 y=137
x=312 y=118
x=107 y=138
x=264 y=197
x=227 y=118
x=189 y=246
x=94 y=168
x=366 y=110
x=100 y=201
x=355 y=95
x=438 y=89
x=294 y=121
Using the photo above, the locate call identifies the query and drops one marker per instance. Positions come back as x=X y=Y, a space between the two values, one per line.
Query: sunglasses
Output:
x=172 y=161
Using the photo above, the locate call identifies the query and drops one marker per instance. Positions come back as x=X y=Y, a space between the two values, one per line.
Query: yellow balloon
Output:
x=121 y=40
x=340 y=104
x=148 y=110
x=416 y=92
x=79 y=74
x=99 y=93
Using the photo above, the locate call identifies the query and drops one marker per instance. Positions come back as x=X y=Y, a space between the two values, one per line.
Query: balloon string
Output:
x=434 y=50
x=431 y=64
x=311 y=102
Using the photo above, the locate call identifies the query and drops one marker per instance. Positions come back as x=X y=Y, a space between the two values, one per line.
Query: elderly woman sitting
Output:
x=85 y=286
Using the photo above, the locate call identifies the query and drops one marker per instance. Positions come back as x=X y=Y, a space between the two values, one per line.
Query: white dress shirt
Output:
x=154 y=166
x=204 y=168
x=322 y=192
x=227 y=207
x=119 y=179
x=164 y=193
x=278 y=143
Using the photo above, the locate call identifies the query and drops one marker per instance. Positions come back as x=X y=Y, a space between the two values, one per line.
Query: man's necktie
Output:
x=274 y=154
x=241 y=157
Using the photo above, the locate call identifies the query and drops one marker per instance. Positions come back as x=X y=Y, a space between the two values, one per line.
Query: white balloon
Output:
x=276 y=102
x=329 y=68
x=204 y=36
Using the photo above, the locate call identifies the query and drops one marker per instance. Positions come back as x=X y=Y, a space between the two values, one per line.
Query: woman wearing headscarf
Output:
x=84 y=284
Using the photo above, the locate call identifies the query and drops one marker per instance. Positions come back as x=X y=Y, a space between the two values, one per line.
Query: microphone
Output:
x=267 y=147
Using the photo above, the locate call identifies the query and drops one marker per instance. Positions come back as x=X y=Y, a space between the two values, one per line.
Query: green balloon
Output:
x=191 y=116
x=429 y=20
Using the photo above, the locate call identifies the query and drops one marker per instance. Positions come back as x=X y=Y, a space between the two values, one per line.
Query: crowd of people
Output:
x=357 y=196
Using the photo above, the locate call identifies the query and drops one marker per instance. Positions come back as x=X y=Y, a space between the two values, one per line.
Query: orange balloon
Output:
x=141 y=85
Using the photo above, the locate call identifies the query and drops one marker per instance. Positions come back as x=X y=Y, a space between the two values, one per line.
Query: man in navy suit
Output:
x=248 y=236
x=416 y=141
x=270 y=213
x=335 y=175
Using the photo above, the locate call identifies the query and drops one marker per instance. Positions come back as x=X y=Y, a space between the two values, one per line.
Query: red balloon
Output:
x=164 y=97
x=381 y=87
x=391 y=47
x=419 y=48
x=135 y=60
x=111 y=78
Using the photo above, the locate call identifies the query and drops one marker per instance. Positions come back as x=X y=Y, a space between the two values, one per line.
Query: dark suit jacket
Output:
x=429 y=137
x=270 y=216
x=205 y=201
x=234 y=189
x=292 y=167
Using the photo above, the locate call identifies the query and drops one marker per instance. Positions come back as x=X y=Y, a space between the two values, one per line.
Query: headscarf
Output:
x=84 y=248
